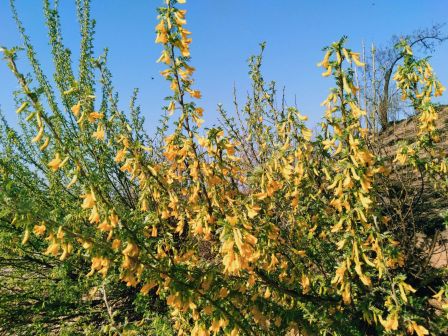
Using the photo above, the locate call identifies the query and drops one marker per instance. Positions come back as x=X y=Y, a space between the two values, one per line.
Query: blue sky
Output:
x=225 y=34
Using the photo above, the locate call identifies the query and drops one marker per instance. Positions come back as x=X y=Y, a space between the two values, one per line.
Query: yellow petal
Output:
x=38 y=136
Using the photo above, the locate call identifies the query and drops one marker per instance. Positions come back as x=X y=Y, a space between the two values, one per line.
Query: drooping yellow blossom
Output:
x=76 y=109
x=55 y=164
x=179 y=17
x=184 y=49
x=147 y=287
x=161 y=37
x=131 y=250
x=328 y=72
x=355 y=57
x=418 y=329
x=99 y=264
x=45 y=144
x=325 y=61
x=99 y=134
x=39 y=230
x=305 y=282
x=53 y=248
x=195 y=94
x=26 y=237
x=164 y=58
x=94 y=216
x=307 y=133
x=160 y=27
x=252 y=210
x=120 y=155
x=66 y=250
x=22 y=107
x=116 y=244
x=89 y=200
x=38 y=136
x=72 y=181
x=104 y=226
x=391 y=323
x=94 y=116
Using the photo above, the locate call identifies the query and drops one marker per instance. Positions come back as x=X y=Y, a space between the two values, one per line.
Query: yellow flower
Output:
x=302 y=117
x=66 y=250
x=188 y=69
x=252 y=210
x=307 y=133
x=419 y=330
x=324 y=62
x=53 y=249
x=94 y=215
x=165 y=73
x=127 y=166
x=328 y=143
x=72 y=181
x=195 y=94
x=408 y=50
x=120 y=155
x=365 y=201
x=179 y=17
x=26 y=236
x=45 y=144
x=39 y=135
x=99 y=134
x=39 y=230
x=232 y=220
x=346 y=296
x=95 y=115
x=76 y=108
x=154 y=231
x=89 y=200
x=198 y=121
x=336 y=203
x=223 y=292
x=104 y=226
x=184 y=33
x=131 y=250
x=22 y=107
x=401 y=158
x=305 y=281
x=99 y=264
x=161 y=38
x=439 y=90
x=328 y=72
x=184 y=49
x=164 y=58
x=346 y=55
x=199 y=111
x=55 y=163
x=116 y=244
x=147 y=287
x=161 y=26
x=171 y=108
x=355 y=57
x=391 y=323
x=113 y=219
x=438 y=296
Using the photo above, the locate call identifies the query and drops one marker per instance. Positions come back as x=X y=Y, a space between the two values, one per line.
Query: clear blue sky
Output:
x=225 y=34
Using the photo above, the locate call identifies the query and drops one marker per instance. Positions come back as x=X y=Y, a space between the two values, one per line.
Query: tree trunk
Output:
x=384 y=103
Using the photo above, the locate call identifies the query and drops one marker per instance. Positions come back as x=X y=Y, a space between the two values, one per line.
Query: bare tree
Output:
x=382 y=98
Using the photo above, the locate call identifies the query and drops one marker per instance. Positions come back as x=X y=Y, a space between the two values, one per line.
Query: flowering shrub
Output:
x=258 y=227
